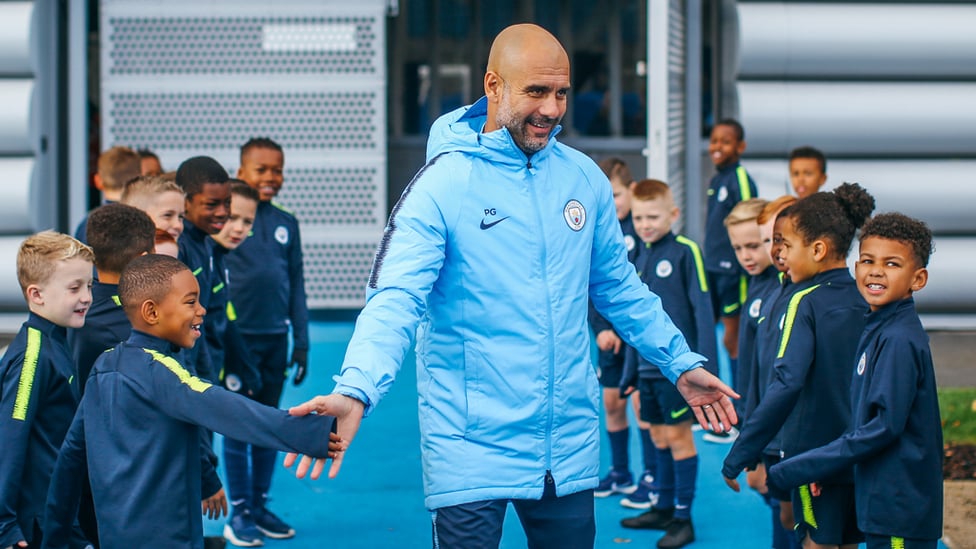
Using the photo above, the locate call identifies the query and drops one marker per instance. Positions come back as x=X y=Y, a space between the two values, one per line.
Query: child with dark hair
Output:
x=149 y=163
x=807 y=400
x=808 y=170
x=894 y=441
x=117 y=234
x=726 y=280
x=268 y=292
x=116 y=167
x=135 y=431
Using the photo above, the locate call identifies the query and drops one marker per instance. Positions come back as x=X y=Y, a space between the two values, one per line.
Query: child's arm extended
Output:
x=64 y=494
x=793 y=361
x=889 y=394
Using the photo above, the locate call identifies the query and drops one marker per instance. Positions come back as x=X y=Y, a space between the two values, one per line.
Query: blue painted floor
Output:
x=377 y=499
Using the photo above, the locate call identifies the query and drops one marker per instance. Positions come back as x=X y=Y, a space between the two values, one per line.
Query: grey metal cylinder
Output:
x=859 y=118
x=952 y=269
x=15 y=37
x=939 y=192
x=864 y=41
x=15 y=96
x=11 y=297
x=15 y=207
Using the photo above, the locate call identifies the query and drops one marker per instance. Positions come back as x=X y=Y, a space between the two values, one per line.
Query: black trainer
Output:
x=679 y=534
x=655 y=519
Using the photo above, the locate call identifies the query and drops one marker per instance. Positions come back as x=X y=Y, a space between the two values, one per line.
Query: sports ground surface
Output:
x=377 y=499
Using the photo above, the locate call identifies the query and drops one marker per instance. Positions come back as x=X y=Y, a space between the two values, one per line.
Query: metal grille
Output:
x=341 y=196
x=221 y=120
x=676 y=105
x=336 y=270
x=237 y=45
x=187 y=77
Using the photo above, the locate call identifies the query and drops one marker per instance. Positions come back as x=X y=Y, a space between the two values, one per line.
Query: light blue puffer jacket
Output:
x=488 y=258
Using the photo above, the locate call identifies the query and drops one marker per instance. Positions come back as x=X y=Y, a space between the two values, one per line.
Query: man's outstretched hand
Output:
x=709 y=398
x=348 y=412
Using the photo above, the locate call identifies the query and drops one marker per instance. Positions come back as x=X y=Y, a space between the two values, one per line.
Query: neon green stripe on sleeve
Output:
x=791 y=317
x=743 y=289
x=197 y=271
x=699 y=264
x=218 y=287
x=897 y=543
x=184 y=376
x=27 y=372
x=743 y=178
x=806 y=501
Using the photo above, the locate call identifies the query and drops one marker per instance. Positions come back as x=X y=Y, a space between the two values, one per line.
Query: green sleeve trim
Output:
x=743 y=177
x=699 y=264
x=184 y=376
x=791 y=317
x=197 y=271
x=218 y=287
x=117 y=301
x=897 y=543
x=743 y=289
x=27 y=372
x=231 y=311
x=282 y=208
x=806 y=501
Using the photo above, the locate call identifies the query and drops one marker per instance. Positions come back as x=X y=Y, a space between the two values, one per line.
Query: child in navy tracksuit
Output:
x=727 y=188
x=807 y=398
x=38 y=385
x=672 y=267
x=268 y=292
x=136 y=430
x=895 y=437
x=610 y=359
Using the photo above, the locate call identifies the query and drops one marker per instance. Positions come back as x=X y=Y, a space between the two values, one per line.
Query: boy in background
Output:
x=268 y=293
x=149 y=163
x=116 y=166
x=139 y=420
x=726 y=280
x=672 y=267
x=38 y=386
x=161 y=199
x=895 y=438
x=808 y=171
x=610 y=359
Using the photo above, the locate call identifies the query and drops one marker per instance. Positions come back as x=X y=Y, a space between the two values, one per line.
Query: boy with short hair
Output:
x=117 y=234
x=139 y=420
x=808 y=170
x=161 y=199
x=612 y=352
x=116 y=166
x=268 y=292
x=726 y=280
x=672 y=267
x=38 y=386
x=894 y=441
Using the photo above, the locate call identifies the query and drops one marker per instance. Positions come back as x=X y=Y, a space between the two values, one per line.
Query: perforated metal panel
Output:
x=186 y=78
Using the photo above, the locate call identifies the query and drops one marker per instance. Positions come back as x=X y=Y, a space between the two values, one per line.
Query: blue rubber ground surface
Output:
x=377 y=500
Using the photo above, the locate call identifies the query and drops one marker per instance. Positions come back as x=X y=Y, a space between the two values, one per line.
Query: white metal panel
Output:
x=186 y=78
x=788 y=40
x=864 y=118
x=15 y=38
x=15 y=208
x=940 y=192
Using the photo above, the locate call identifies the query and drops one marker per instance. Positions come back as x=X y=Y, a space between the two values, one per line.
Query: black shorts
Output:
x=661 y=403
x=874 y=541
x=728 y=292
x=611 y=367
x=830 y=518
x=769 y=460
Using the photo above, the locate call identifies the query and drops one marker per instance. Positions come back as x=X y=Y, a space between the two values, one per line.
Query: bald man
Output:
x=488 y=258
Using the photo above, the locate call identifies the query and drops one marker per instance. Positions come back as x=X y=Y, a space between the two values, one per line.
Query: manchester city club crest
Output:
x=663 y=269
x=723 y=193
x=862 y=363
x=629 y=242
x=754 y=307
x=281 y=234
x=575 y=215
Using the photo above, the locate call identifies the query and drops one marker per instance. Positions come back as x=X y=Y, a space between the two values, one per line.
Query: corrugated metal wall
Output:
x=886 y=91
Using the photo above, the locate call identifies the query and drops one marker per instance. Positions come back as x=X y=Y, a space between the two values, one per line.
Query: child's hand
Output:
x=300 y=358
x=732 y=483
x=335 y=445
x=814 y=489
x=215 y=506
x=608 y=340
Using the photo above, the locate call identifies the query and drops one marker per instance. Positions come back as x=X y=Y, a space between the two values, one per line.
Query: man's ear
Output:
x=149 y=312
x=33 y=293
x=493 y=86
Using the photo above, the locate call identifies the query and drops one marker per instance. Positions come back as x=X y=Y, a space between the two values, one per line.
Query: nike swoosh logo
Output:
x=486 y=226
x=675 y=414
